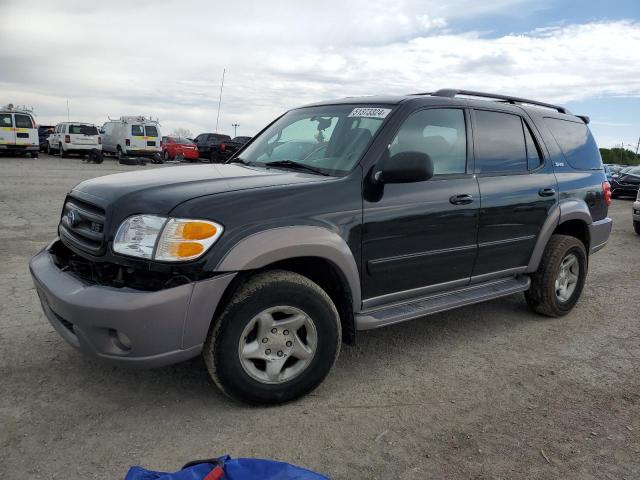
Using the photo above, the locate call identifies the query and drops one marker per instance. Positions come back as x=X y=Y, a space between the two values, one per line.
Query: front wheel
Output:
x=557 y=284
x=275 y=341
x=61 y=151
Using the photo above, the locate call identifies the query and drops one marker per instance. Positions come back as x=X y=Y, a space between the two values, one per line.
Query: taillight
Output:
x=67 y=139
x=223 y=147
x=127 y=142
x=99 y=140
x=606 y=193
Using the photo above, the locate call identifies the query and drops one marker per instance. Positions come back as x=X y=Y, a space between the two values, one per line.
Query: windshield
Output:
x=633 y=171
x=330 y=138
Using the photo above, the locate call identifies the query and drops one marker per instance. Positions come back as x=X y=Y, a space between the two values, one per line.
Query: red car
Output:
x=173 y=147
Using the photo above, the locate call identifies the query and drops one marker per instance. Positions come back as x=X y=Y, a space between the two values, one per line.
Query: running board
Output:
x=439 y=302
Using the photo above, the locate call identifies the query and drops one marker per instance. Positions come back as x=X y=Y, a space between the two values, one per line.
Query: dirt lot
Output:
x=489 y=391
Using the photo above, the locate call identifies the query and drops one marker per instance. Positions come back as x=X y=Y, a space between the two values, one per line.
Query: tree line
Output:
x=620 y=156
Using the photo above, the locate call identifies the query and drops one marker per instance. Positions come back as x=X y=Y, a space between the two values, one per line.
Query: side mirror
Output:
x=405 y=167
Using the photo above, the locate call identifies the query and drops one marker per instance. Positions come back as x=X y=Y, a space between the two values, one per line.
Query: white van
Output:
x=134 y=136
x=74 y=137
x=18 y=131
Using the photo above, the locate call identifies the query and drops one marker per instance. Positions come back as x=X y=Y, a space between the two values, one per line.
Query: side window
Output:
x=438 y=132
x=576 y=142
x=499 y=143
x=5 y=120
x=137 y=131
x=534 y=158
x=23 y=121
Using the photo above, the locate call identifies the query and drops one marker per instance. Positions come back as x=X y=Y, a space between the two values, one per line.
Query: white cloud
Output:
x=166 y=58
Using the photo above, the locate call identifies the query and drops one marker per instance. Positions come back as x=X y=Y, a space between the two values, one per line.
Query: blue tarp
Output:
x=234 y=469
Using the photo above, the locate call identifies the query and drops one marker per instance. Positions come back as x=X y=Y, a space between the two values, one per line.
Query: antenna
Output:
x=220 y=99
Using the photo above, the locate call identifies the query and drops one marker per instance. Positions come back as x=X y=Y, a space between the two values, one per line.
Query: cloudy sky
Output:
x=165 y=58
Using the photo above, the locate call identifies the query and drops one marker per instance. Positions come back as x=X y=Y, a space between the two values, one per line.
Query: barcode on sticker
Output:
x=370 y=112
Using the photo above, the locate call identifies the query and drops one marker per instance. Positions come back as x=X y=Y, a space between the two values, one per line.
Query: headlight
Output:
x=165 y=239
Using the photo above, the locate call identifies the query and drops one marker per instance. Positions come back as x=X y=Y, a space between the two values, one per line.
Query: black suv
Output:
x=337 y=217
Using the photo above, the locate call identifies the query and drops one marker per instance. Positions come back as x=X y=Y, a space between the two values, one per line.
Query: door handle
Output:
x=546 y=192
x=462 y=199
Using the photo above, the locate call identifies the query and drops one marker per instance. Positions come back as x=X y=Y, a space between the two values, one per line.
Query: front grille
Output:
x=82 y=225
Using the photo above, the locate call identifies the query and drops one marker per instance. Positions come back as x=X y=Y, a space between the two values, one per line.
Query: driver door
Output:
x=422 y=237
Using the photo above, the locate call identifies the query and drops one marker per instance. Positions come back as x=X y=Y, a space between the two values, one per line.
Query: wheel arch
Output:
x=570 y=217
x=318 y=253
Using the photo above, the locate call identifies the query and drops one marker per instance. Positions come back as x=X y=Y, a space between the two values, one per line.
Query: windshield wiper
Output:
x=296 y=165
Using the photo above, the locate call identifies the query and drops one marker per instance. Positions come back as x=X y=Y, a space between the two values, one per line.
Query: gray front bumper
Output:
x=599 y=232
x=635 y=213
x=164 y=327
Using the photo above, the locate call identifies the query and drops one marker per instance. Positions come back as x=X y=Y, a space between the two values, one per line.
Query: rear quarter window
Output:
x=576 y=142
x=5 y=120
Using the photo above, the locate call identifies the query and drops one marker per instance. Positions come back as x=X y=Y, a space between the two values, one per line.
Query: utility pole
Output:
x=220 y=99
x=235 y=129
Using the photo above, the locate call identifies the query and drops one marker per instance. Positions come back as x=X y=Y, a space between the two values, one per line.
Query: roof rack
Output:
x=451 y=93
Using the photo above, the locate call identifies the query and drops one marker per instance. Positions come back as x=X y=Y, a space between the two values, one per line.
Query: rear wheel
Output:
x=557 y=284
x=636 y=227
x=213 y=158
x=61 y=151
x=276 y=340
x=119 y=154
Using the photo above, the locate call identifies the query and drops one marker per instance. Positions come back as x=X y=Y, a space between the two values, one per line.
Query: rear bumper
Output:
x=599 y=232
x=75 y=148
x=19 y=148
x=159 y=328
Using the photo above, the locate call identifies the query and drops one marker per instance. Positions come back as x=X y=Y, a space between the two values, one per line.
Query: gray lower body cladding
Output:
x=127 y=326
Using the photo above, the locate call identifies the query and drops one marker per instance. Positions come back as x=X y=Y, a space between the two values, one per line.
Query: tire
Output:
x=166 y=157
x=95 y=156
x=49 y=149
x=636 y=227
x=61 y=151
x=270 y=293
x=543 y=296
x=119 y=155
x=34 y=154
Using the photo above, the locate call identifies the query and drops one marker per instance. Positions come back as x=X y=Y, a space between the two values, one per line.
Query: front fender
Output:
x=263 y=248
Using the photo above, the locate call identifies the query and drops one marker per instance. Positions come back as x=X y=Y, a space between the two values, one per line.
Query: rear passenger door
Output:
x=517 y=190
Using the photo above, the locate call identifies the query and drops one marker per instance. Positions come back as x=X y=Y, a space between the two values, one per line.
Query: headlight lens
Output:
x=169 y=240
x=137 y=235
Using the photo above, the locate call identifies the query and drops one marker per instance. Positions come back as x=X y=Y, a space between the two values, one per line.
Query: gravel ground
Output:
x=489 y=391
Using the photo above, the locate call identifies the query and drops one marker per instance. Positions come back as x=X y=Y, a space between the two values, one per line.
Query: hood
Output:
x=629 y=178
x=161 y=189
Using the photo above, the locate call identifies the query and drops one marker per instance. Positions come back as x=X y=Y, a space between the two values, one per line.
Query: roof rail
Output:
x=451 y=93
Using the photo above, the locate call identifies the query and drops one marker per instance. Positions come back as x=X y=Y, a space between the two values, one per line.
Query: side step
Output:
x=439 y=302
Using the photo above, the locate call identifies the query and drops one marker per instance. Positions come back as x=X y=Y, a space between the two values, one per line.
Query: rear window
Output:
x=137 y=130
x=151 y=131
x=83 y=129
x=5 y=120
x=24 y=121
x=576 y=142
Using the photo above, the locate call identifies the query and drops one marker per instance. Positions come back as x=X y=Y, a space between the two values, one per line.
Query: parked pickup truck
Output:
x=209 y=146
x=338 y=217
x=230 y=148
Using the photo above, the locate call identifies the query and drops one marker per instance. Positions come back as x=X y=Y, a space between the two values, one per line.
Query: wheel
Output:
x=95 y=156
x=166 y=156
x=276 y=340
x=213 y=158
x=49 y=149
x=34 y=154
x=557 y=284
x=61 y=151
x=119 y=154
x=636 y=227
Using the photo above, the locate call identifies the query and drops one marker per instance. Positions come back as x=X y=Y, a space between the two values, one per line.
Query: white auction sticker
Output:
x=370 y=112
